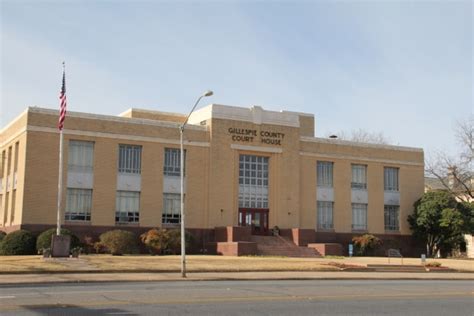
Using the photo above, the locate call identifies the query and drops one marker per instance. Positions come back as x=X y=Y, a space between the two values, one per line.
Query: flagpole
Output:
x=60 y=183
x=60 y=176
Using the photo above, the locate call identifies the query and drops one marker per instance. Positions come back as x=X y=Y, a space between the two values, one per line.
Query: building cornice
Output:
x=358 y=158
x=358 y=144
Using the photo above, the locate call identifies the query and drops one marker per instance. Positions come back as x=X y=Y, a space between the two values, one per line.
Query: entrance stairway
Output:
x=281 y=246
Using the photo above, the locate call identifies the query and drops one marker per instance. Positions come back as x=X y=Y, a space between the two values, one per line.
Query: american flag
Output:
x=63 y=102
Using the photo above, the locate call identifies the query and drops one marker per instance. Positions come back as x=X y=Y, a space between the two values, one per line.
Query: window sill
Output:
x=392 y=232
x=127 y=224
x=170 y=225
x=325 y=230
x=360 y=231
x=78 y=222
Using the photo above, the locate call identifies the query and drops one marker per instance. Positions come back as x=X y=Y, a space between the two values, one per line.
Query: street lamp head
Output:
x=208 y=93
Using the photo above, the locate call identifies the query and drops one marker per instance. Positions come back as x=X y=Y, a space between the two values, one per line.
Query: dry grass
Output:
x=28 y=264
x=160 y=263
x=206 y=263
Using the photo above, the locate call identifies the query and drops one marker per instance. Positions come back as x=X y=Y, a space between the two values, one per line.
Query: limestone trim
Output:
x=13 y=137
x=255 y=115
x=357 y=144
x=14 y=121
x=31 y=128
x=352 y=158
x=152 y=112
x=119 y=119
x=257 y=148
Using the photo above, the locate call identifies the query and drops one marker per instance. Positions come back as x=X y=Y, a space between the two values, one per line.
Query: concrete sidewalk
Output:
x=140 y=277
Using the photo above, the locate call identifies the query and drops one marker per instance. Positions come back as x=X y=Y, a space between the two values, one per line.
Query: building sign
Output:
x=253 y=136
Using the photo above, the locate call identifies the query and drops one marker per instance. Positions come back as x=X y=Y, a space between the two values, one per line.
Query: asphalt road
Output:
x=305 y=297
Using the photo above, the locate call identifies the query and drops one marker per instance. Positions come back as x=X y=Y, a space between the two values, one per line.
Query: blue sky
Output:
x=401 y=67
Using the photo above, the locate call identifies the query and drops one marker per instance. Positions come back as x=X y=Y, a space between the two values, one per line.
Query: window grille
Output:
x=359 y=216
x=359 y=177
x=130 y=159
x=253 y=181
x=391 y=217
x=80 y=156
x=390 y=179
x=325 y=217
x=78 y=205
x=325 y=174
x=172 y=164
x=127 y=208
x=171 y=208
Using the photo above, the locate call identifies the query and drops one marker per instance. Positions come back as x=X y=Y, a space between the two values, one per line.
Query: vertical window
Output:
x=9 y=158
x=171 y=208
x=391 y=217
x=81 y=156
x=172 y=165
x=390 y=179
x=359 y=177
x=253 y=181
x=12 y=213
x=127 y=207
x=78 y=205
x=130 y=159
x=17 y=149
x=325 y=218
x=324 y=174
x=359 y=216
x=2 y=166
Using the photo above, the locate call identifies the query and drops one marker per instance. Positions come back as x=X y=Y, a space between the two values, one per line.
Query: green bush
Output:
x=2 y=235
x=366 y=244
x=20 y=242
x=119 y=242
x=44 y=239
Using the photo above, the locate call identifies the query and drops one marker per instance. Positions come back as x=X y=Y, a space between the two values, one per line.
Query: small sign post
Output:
x=423 y=259
x=351 y=250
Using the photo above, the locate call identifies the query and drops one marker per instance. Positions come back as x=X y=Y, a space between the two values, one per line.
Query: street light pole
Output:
x=183 y=233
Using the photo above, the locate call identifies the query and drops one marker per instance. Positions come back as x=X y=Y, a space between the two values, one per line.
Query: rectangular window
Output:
x=171 y=208
x=391 y=217
x=127 y=207
x=390 y=179
x=325 y=218
x=9 y=159
x=253 y=181
x=80 y=156
x=78 y=205
x=359 y=177
x=130 y=159
x=359 y=216
x=17 y=150
x=172 y=164
x=324 y=174
x=2 y=166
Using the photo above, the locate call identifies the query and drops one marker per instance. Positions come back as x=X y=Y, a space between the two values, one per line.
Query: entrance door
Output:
x=257 y=218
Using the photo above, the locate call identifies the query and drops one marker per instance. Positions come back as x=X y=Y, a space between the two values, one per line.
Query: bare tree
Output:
x=455 y=174
x=362 y=136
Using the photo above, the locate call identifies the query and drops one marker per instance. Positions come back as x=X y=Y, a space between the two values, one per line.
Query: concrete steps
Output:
x=280 y=246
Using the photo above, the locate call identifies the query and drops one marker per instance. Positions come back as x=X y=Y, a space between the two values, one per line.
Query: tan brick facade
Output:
x=214 y=141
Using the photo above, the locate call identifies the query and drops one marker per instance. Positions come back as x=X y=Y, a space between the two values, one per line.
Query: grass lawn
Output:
x=202 y=263
x=161 y=263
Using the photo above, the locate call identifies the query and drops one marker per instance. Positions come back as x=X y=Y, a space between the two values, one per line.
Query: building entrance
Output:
x=257 y=218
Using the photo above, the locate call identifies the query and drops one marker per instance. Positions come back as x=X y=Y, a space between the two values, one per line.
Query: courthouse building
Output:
x=247 y=171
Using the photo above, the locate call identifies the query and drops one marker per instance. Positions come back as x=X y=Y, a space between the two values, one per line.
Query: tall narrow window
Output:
x=17 y=151
x=390 y=179
x=253 y=181
x=127 y=207
x=391 y=217
x=130 y=159
x=359 y=216
x=81 y=156
x=359 y=177
x=78 y=204
x=325 y=218
x=171 y=208
x=172 y=164
x=325 y=174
